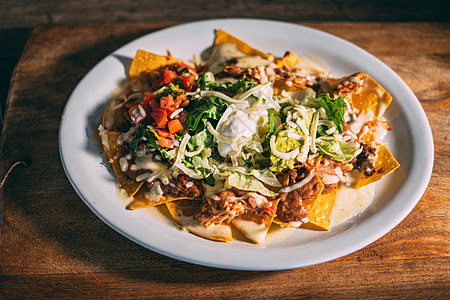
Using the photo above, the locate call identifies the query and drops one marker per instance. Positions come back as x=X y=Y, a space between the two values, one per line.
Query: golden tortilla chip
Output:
x=320 y=211
x=288 y=61
x=223 y=37
x=182 y=212
x=146 y=61
x=280 y=84
x=371 y=134
x=114 y=153
x=372 y=96
x=253 y=226
x=385 y=163
x=142 y=200
x=113 y=117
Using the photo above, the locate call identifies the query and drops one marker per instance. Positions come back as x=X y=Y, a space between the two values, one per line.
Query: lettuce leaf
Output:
x=204 y=110
x=247 y=183
x=338 y=150
x=333 y=108
x=143 y=134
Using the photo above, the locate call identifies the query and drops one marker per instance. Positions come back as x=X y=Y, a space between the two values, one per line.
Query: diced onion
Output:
x=175 y=113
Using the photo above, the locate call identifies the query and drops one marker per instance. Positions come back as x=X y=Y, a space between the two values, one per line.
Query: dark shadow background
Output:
x=19 y=17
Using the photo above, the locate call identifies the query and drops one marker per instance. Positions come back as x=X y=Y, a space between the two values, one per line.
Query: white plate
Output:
x=396 y=195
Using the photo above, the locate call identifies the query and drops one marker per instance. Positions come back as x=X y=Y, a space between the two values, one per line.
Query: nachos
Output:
x=244 y=138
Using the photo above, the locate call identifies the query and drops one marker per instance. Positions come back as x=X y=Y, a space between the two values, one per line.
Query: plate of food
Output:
x=246 y=144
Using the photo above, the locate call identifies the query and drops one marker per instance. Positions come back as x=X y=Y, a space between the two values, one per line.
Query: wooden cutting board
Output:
x=52 y=245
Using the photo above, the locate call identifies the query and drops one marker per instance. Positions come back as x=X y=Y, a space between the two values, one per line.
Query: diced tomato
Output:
x=149 y=103
x=170 y=110
x=188 y=82
x=160 y=116
x=166 y=102
x=149 y=97
x=169 y=76
x=166 y=143
x=183 y=65
x=163 y=133
x=174 y=126
x=180 y=99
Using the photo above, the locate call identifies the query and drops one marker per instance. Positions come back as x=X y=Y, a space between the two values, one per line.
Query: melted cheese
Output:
x=351 y=202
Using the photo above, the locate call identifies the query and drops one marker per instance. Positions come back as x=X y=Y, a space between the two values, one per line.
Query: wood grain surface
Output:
x=52 y=245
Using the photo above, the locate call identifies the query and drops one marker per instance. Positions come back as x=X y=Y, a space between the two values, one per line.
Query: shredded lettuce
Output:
x=204 y=110
x=204 y=138
x=231 y=89
x=143 y=134
x=338 y=150
x=333 y=108
x=247 y=183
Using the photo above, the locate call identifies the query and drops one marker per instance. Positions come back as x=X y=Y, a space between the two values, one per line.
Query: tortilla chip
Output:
x=288 y=61
x=385 y=163
x=223 y=37
x=307 y=202
x=320 y=211
x=114 y=152
x=280 y=84
x=372 y=128
x=253 y=226
x=146 y=61
x=182 y=212
x=113 y=117
x=372 y=96
x=142 y=200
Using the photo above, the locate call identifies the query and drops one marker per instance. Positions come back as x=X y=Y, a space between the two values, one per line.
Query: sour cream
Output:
x=242 y=121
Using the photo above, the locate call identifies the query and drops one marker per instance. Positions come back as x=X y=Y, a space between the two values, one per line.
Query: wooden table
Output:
x=52 y=245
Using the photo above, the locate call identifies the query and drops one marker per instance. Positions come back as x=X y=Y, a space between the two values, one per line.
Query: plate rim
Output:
x=364 y=241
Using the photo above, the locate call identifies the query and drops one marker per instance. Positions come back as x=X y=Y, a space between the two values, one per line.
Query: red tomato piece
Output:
x=169 y=76
x=188 y=82
x=166 y=143
x=180 y=99
x=183 y=65
x=160 y=116
x=166 y=102
x=149 y=103
x=174 y=126
x=163 y=133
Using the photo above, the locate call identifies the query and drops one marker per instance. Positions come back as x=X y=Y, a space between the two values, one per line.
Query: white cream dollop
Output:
x=242 y=121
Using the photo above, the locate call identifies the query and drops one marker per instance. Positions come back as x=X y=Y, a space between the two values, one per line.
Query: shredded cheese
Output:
x=181 y=149
x=217 y=135
x=313 y=132
x=253 y=90
x=194 y=153
x=221 y=96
